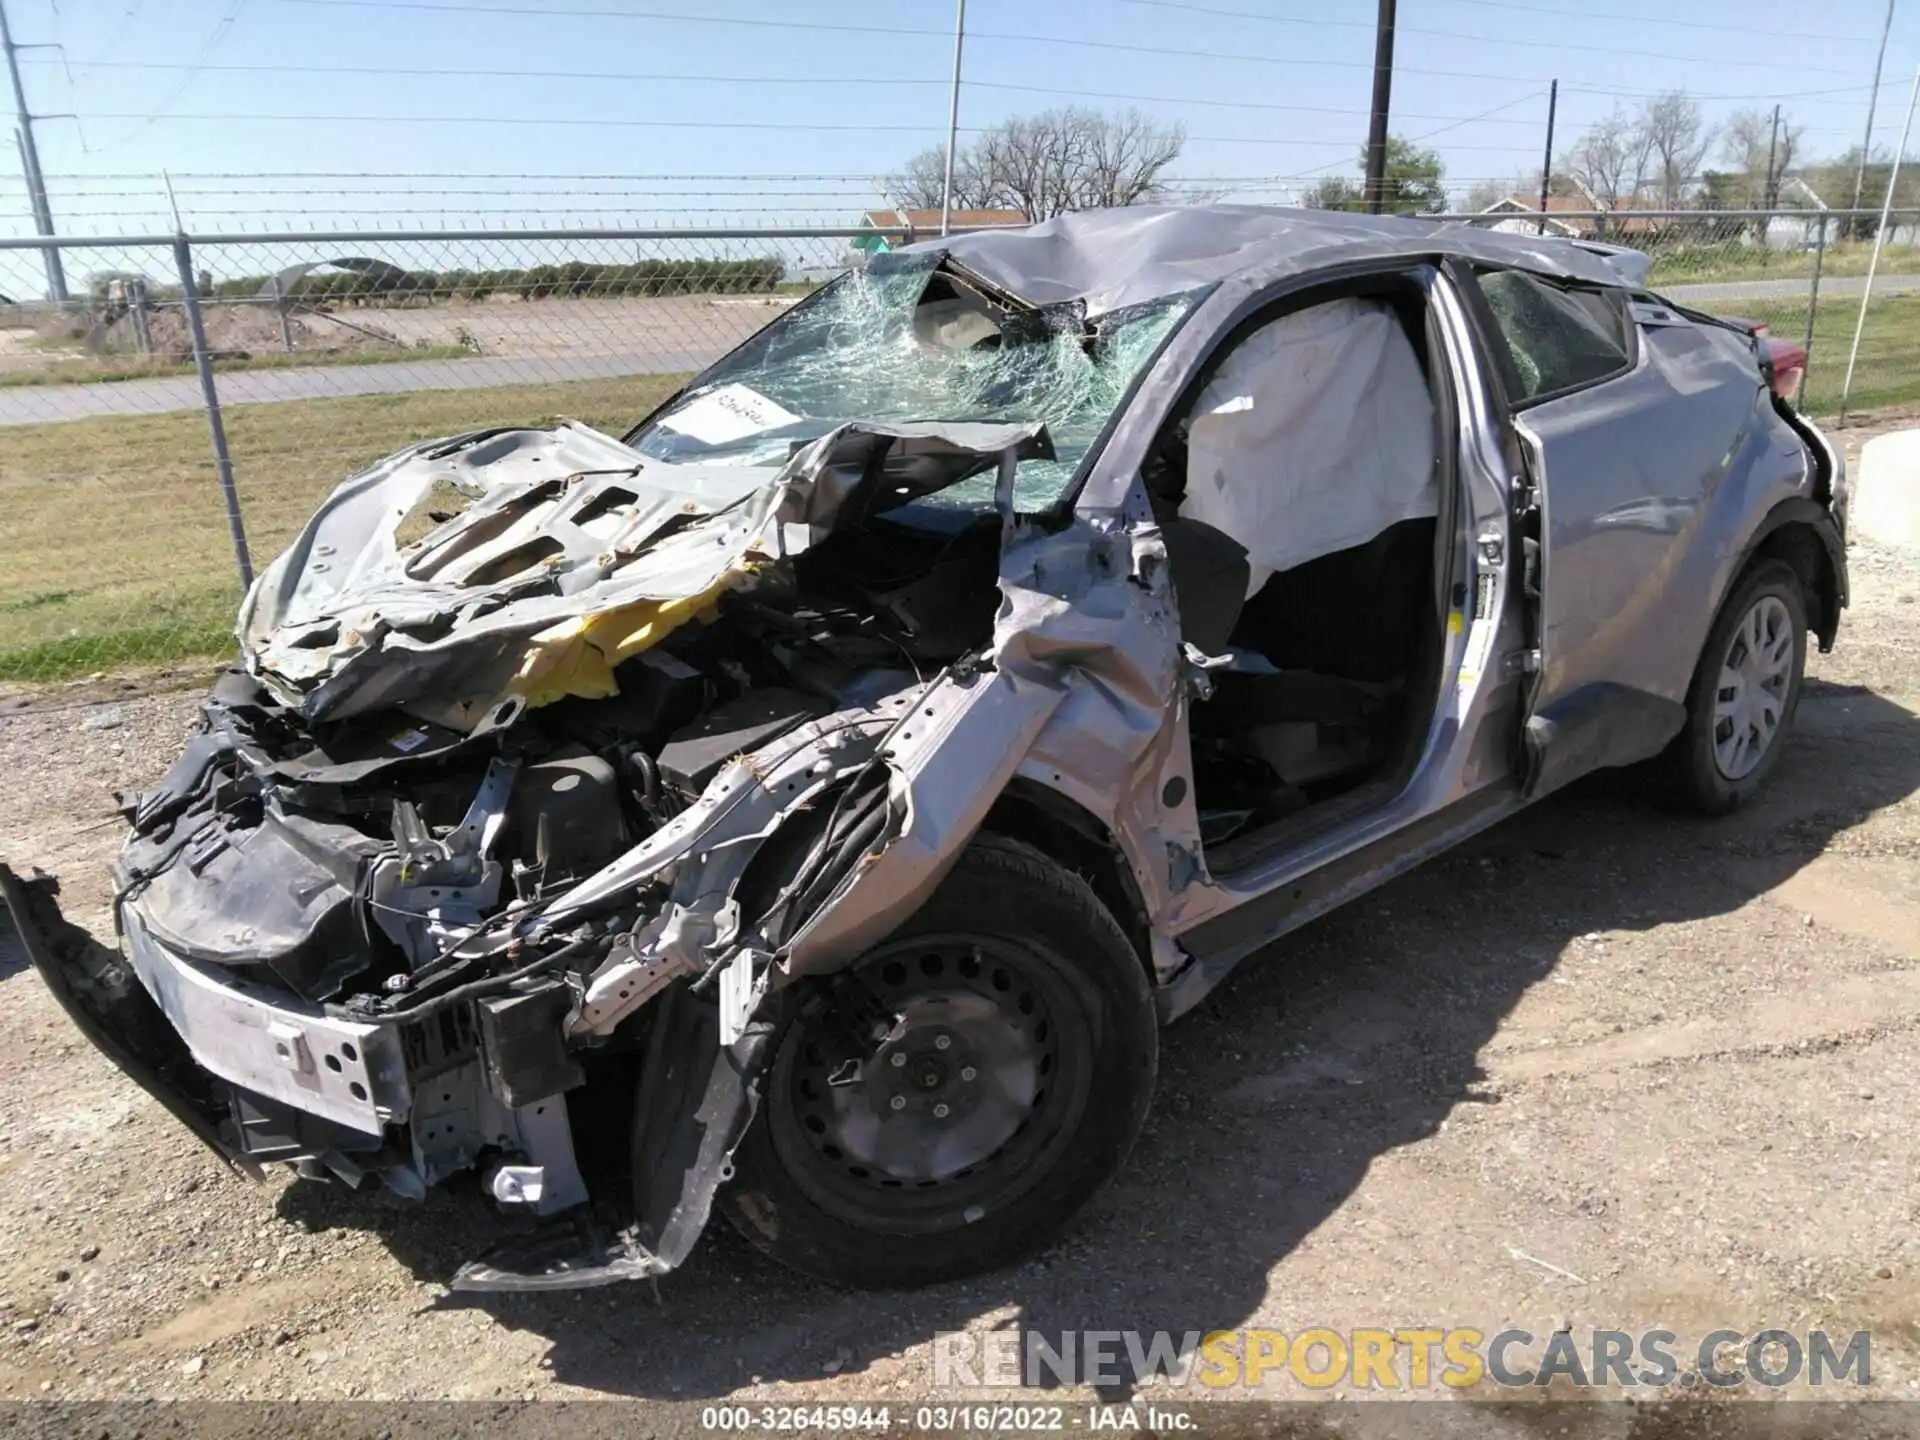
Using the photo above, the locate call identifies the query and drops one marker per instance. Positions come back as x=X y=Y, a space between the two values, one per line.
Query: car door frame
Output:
x=1603 y=723
x=1465 y=777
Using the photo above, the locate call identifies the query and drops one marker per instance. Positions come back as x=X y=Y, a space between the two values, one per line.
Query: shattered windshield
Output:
x=908 y=340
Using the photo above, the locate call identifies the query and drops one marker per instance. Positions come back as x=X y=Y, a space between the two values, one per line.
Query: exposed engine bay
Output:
x=416 y=878
x=551 y=758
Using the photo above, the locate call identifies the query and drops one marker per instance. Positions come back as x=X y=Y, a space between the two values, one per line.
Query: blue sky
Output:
x=1272 y=88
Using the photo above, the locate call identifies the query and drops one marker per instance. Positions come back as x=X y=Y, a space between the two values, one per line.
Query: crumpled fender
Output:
x=1085 y=650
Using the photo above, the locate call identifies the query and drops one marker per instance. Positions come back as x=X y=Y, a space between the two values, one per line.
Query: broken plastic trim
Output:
x=694 y=1104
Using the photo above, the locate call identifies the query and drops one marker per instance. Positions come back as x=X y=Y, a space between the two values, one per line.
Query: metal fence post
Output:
x=203 y=362
x=280 y=307
x=1813 y=307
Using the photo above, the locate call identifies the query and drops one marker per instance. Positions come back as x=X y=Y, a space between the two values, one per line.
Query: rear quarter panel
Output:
x=1653 y=486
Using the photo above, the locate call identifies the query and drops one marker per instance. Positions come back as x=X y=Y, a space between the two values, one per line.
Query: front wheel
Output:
x=1744 y=693
x=1015 y=1073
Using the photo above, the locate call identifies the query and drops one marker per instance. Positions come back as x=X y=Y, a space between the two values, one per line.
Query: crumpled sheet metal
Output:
x=575 y=553
x=1109 y=259
x=1084 y=695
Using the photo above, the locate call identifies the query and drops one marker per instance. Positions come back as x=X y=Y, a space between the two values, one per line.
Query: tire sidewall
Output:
x=1702 y=784
x=998 y=886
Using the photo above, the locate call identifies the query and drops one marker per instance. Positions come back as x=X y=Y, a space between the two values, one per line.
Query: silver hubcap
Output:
x=1752 y=696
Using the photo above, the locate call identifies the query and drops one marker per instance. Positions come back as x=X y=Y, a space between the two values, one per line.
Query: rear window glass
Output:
x=1557 y=339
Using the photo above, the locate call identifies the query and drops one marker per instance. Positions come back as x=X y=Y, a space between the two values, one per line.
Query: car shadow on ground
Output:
x=1359 y=1035
x=13 y=950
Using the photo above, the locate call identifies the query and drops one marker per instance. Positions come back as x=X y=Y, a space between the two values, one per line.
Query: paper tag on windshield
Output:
x=730 y=413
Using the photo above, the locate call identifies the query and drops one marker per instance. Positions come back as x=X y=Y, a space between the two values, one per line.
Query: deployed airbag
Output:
x=1316 y=434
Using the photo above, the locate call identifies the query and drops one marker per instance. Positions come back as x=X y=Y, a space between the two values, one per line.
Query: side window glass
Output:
x=1559 y=339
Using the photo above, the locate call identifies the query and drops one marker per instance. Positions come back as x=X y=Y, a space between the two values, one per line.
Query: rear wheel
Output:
x=1015 y=1072
x=1744 y=692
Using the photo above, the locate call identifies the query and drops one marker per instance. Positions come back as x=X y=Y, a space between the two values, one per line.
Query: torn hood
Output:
x=569 y=553
x=1110 y=259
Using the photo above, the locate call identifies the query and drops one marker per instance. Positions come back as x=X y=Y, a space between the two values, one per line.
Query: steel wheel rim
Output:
x=1007 y=1015
x=1756 y=677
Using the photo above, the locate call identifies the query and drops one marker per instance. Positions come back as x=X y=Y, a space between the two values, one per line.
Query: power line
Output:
x=599 y=120
x=1075 y=42
x=180 y=176
x=1666 y=20
x=467 y=72
x=181 y=180
x=1429 y=134
x=813 y=80
x=416 y=72
x=1195 y=100
x=1626 y=93
x=220 y=31
x=737 y=20
x=659 y=77
x=1644 y=54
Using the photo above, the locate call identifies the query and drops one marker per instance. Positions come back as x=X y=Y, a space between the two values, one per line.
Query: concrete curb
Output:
x=1885 y=504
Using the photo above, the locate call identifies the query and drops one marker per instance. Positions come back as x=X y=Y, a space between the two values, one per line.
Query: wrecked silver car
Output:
x=812 y=802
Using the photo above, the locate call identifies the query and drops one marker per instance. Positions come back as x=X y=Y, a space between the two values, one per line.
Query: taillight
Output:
x=1785 y=364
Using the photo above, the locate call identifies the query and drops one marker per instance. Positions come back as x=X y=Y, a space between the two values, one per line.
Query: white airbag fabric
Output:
x=1315 y=435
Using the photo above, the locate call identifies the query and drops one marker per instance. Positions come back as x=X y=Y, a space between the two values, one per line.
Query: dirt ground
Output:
x=600 y=325
x=499 y=327
x=1604 y=1068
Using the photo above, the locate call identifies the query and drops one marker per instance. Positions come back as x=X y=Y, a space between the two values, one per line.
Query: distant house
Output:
x=1568 y=216
x=904 y=227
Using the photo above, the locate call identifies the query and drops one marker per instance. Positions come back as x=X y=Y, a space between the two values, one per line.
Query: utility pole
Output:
x=1376 y=189
x=1879 y=243
x=1873 y=99
x=1770 y=197
x=1546 y=163
x=30 y=165
x=953 y=117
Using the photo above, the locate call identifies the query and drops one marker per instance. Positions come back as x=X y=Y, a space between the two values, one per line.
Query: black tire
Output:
x=1693 y=775
x=1013 y=964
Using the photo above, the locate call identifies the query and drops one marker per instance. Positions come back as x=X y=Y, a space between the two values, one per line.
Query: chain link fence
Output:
x=126 y=530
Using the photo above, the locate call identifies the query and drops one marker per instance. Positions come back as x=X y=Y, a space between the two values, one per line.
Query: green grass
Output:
x=1888 y=372
x=114 y=550
x=91 y=371
x=1717 y=264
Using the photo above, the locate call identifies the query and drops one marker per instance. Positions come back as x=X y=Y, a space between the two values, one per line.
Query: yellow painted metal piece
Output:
x=577 y=656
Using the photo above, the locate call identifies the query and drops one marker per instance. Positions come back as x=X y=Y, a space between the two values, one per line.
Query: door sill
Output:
x=1243 y=852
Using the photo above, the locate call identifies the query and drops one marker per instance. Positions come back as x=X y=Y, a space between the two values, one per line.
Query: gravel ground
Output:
x=1604 y=1068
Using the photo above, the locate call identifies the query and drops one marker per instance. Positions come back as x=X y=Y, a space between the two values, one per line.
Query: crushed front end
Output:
x=384 y=948
x=555 y=764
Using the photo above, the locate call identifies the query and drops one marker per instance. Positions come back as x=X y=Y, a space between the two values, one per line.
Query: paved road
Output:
x=1830 y=286
x=33 y=405
x=36 y=404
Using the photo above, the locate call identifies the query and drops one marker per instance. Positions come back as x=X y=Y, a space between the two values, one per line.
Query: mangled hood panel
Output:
x=570 y=553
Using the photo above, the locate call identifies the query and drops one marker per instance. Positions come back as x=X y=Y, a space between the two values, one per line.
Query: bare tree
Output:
x=1760 y=160
x=1043 y=165
x=1677 y=139
x=919 y=184
x=1609 y=161
x=1124 y=157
